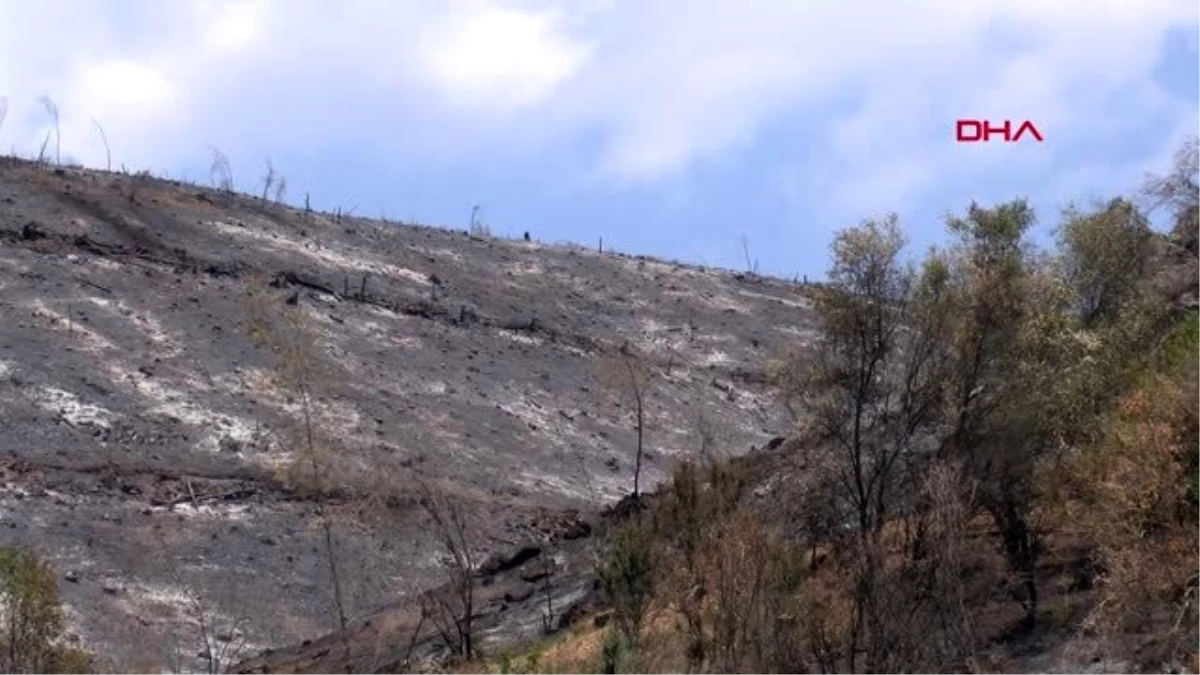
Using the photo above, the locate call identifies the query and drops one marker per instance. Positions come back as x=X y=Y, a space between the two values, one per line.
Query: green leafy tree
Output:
x=1105 y=255
x=31 y=617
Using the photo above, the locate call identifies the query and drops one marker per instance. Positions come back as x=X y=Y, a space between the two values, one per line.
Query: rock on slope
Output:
x=141 y=433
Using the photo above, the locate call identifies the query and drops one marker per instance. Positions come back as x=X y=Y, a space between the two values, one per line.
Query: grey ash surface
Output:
x=128 y=384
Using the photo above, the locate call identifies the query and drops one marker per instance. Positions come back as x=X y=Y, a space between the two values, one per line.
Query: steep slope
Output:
x=141 y=433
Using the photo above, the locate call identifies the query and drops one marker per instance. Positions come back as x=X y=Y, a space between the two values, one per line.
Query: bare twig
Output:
x=104 y=138
x=192 y=493
x=52 y=110
x=268 y=179
x=751 y=266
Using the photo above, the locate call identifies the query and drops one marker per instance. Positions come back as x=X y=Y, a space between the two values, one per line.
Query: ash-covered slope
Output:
x=141 y=432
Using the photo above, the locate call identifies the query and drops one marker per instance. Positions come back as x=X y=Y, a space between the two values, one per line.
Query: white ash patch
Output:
x=22 y=492
x=531 y=412
x=327 y=300
x=383 y=311
x=805 y=336
x=75 y=624
x=13 y=264
x=755 y=402
x=145 y=321
x=524 y=268
x=139 y=595
x=336 y=418
x=6 y=368
x=647 y=266
x=722 y=302
x=658 y=337
x=438 y=253
x=380 y=333
x=577 y=351
x=73 y=410
x=710 y=338
x=244 y=433
x=599 y=488
x=209 y=510
x=540 y=481
x=90 y=339
x=182 y=605
x=316 y=315
x=406 y=341
x=651 y=326
x=798 y=302
x=167 y=401
x=714 y=358
x=448 y=428
x=520 y=338
x=232 y=382
x=274 y=460
x=316 y=251
x=793 y=330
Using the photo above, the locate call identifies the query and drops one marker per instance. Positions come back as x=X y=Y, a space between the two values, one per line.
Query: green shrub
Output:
x=1180 y=347
x=626 y=571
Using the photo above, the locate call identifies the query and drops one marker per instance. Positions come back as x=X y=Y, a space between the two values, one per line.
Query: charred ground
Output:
x=142 y=435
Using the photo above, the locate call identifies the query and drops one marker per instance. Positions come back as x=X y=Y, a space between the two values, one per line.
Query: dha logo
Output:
x=982 y=131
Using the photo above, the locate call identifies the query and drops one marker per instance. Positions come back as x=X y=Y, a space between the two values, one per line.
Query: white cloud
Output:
x=499 y=59
x=661 y=85
x=119 y=87
x=232 y=28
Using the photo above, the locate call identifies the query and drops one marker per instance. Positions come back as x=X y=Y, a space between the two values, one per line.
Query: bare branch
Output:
x=107 y=152
x=219 y=172
x=268 y=179
x=52 y=111
x=1179 y=186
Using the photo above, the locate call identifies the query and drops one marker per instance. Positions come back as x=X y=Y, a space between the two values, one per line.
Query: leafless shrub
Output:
x=478 y=228
x=342 y=212
x=626 y=372
x=269 y=179
x=139 y=180
x=200 y=627
x=1178 y=187
x=219 y=172
x=222 y=640
x=452 y=610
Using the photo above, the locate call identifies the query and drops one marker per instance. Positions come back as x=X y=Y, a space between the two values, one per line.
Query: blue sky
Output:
x=669 y=128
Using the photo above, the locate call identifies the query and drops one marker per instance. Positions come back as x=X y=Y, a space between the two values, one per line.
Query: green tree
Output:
x=1105 y=255
x=868 y=397
x=31 y=617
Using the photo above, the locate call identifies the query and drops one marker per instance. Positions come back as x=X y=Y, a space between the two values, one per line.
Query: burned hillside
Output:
x=145 y=438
